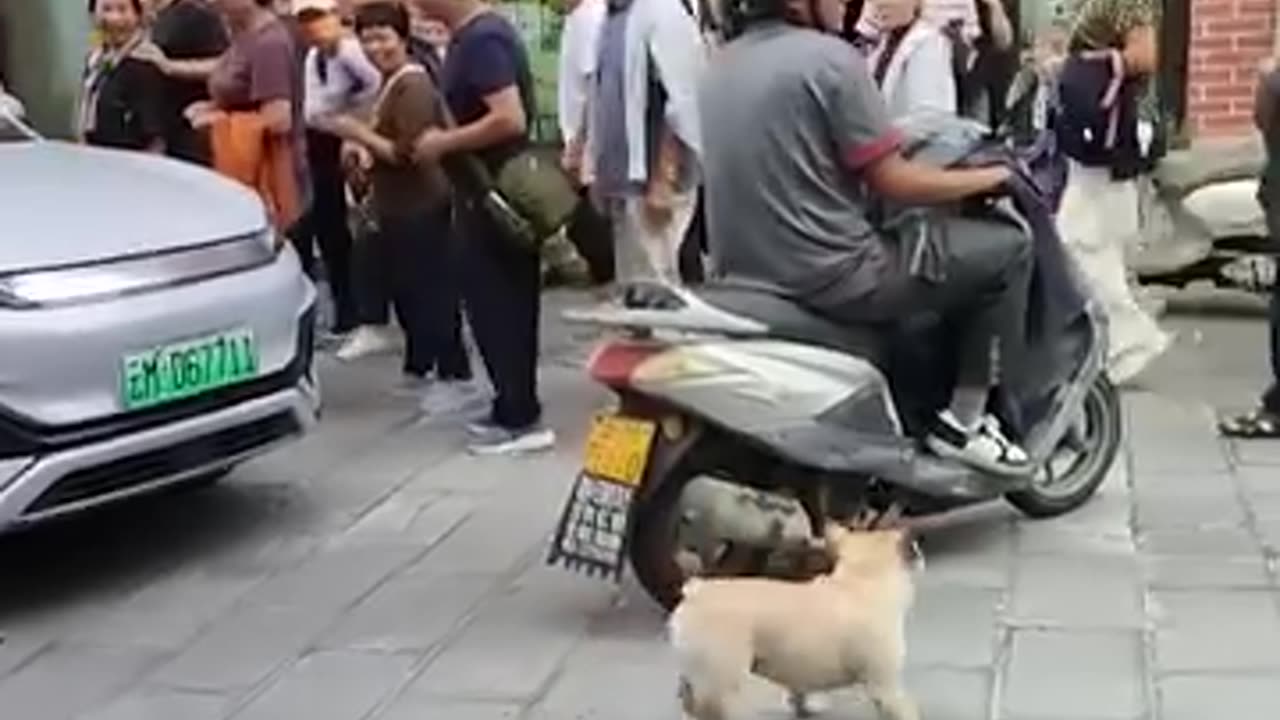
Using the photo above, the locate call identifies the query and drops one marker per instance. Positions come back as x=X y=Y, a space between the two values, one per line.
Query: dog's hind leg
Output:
x=800 y=706
x=892 y=702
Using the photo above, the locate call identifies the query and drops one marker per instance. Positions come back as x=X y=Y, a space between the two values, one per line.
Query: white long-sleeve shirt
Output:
x=350 y=85
x=579 y=50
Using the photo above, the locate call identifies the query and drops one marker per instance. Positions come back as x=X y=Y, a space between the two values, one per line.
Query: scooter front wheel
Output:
x=1079 y=467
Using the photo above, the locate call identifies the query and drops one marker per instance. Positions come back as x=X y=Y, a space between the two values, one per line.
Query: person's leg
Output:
x=452 y=361
x=1097 y=219
x=374 y=265
x=503 y=296
x=329 y=210
x=986 y=267
x=631 y=257
x=658 y=249
x=405 y=241
x=591 y=233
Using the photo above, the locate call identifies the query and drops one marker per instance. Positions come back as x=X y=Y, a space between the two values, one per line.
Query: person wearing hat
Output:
x=338 y=79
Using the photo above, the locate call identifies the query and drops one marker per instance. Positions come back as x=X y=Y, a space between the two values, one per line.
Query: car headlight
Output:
x=134 y=274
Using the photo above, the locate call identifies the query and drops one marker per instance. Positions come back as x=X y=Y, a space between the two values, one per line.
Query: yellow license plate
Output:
x=618 y=448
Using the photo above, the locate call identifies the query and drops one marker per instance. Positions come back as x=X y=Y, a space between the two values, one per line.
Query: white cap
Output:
x=320 y=6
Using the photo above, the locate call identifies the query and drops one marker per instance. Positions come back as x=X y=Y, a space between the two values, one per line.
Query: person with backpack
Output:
x=641 y=137
x=1111 y=57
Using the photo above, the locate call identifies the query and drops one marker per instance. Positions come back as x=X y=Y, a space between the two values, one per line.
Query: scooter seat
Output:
x=788 y=320
x=1182 y=172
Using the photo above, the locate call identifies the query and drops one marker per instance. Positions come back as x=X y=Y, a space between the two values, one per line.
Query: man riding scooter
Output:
x=798 y=147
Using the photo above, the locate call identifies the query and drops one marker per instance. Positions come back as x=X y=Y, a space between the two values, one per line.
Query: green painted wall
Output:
x=44 y=49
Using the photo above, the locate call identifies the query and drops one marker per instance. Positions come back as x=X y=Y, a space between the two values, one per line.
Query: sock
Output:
x=968 y=405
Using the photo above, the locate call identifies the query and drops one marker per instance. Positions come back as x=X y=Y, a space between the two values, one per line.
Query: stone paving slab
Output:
x=375 y=572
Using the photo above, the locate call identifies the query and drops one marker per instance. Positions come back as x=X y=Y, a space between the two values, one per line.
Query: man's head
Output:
x=893 y=14
x=320 y=21
x=383 y=28
x=824 y=15
x=446 y=11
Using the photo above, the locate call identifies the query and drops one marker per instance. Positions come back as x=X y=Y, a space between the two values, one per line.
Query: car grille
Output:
x=147 y=467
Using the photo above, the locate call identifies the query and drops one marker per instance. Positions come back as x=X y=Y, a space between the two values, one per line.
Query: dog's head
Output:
x=873 y=543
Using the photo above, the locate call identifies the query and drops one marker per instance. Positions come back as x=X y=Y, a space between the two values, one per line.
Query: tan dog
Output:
x=834 y=631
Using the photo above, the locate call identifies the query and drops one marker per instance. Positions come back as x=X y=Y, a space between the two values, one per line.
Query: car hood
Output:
x=63 y=204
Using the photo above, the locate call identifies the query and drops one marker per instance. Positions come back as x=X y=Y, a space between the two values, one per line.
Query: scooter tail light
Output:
x=614 y=364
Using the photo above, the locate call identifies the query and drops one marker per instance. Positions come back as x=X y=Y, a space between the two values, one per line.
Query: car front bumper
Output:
x=76 y=478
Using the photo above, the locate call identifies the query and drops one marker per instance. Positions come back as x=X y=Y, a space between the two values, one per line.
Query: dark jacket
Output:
x=1096 y=118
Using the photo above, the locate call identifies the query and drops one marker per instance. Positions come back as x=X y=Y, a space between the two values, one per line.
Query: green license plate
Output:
x=186 y=369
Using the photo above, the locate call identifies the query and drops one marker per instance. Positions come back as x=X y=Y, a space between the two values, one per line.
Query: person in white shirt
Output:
x=339 y=80
x=579 y=50
x=912 y=61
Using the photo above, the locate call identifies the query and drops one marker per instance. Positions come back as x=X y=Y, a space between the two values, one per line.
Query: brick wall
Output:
x=1228 y=38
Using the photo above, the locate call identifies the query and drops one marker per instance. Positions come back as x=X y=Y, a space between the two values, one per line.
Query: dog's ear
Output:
x=863 y=519
x=889 y=519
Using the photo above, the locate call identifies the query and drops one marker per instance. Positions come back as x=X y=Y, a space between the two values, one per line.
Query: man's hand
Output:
x=571 y=158
x=343 y=125
x=202 y=114
x=659 y=205
x=909 y=182
x=152 y=53
x=430 y=146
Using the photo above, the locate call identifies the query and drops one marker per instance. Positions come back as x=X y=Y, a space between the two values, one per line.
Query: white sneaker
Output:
x=984 y=447
x=505 y=441
x=368 y=340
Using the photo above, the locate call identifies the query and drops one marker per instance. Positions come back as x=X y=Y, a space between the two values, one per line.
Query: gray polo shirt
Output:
x=790 y=116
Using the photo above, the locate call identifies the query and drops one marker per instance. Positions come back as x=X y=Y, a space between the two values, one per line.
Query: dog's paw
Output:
x=806 y=706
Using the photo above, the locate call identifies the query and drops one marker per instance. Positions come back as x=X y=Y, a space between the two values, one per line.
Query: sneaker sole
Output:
x=544 y=444
x=947 y=452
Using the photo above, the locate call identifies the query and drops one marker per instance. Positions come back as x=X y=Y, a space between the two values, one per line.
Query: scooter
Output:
x=1201 y=221
x=744 y=422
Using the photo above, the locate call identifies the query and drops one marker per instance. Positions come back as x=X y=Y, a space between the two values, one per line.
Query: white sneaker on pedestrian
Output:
x=984 y=447
x=506 y=441
x=452 y=398
x=368 y=340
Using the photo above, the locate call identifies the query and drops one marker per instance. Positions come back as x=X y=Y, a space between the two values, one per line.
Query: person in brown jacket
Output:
x=415 y=245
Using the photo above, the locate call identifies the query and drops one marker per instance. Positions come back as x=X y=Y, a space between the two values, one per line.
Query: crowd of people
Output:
x=341 y=109
x=382 y=108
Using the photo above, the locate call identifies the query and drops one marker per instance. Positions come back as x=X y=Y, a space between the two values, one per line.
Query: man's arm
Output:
x=869 y=146
x=494 y=63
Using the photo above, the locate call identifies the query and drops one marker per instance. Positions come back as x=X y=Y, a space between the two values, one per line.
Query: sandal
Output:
x=1259 y=424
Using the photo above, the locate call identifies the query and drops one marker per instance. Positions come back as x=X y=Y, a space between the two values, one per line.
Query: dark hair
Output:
x=383 y=14
x=137 y=7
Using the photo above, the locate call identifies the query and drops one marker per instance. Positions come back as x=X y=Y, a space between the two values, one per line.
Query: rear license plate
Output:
x=187 y=369
x=618 y=449
x=593 y=525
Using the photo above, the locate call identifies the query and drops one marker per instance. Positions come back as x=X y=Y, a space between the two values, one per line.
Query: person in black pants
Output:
x=413 y=250
x=488 y=86
x=339 y=79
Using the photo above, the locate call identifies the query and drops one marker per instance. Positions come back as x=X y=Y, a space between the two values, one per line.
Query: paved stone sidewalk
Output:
x=373 y=572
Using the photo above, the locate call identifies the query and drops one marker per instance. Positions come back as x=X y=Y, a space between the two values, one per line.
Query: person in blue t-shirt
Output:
x=488 y=88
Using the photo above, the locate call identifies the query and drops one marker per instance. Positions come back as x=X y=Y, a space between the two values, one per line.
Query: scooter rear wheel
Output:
x=1091 y=450
x=656 y=543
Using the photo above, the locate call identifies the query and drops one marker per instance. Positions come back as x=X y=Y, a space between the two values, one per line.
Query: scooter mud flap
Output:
x=591 y=535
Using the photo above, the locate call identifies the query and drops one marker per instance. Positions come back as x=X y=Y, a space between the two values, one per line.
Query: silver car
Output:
x=152 y=332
